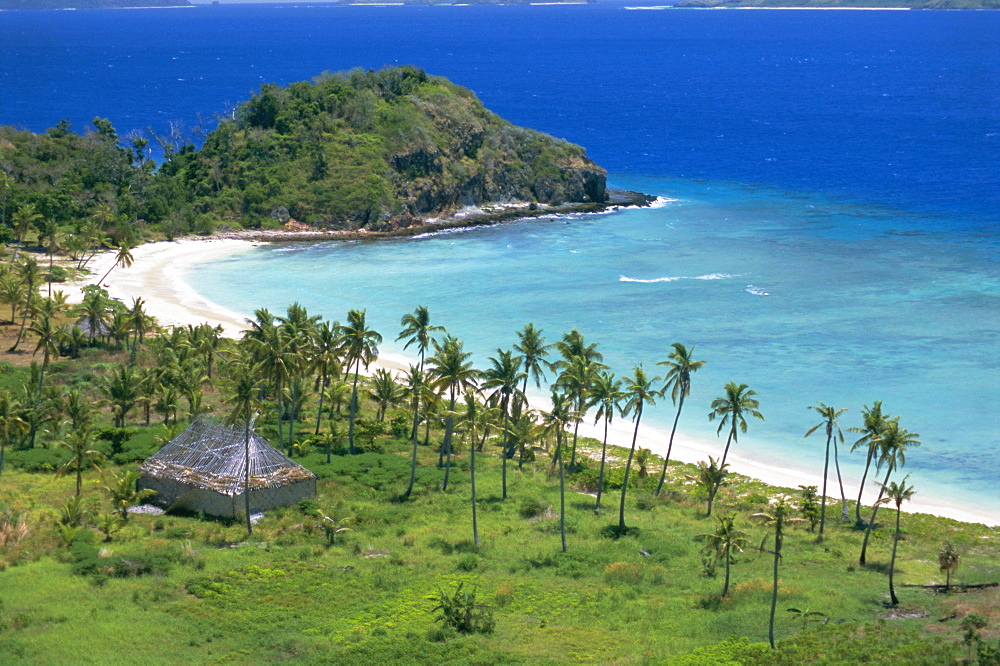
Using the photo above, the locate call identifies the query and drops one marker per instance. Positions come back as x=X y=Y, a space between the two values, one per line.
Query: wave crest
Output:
x=709 y=276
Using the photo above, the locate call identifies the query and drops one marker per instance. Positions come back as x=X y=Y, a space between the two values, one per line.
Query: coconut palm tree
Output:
x=577 y=376
x=28 y=271
x=833 y=431
x=556 y=421
x=531 y=345
x=638 y=393
x=502 y=379
x=897 y=493
x=732 y=409
x=605 y=394
x=681 y=365
x=414 y=380
x=25 y=217
x=123 y=493
x=452 y=372
x=383 y=389
x=874 y=422
x=711 y=475
x=472 y=407
x=123 y=258
x=893 y=442
x=417 y=329
x=11 y=423
x=776 y=519
x=724 y=542
x=82 y=456
x=360 y=347
x=947 y=558
x=325 y=358
x=243 y=394
x=121 y=390
x=49 y=339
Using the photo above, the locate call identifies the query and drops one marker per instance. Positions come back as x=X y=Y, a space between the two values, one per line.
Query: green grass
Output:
x=644 y=598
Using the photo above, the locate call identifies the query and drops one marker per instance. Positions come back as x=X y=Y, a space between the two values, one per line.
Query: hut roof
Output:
x=211 y=456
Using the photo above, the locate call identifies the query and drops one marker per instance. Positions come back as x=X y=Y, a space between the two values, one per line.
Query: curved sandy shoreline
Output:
x=158 y=274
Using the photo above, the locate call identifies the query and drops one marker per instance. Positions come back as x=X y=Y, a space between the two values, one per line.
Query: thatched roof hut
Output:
x=202 y=469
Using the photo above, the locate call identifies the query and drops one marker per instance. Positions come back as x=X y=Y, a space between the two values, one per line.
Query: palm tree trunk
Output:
x=246 y=473
x=600 y=476
x=840 y=481
x=729 y=440
x=670 y=446
x=725 y=587
x=576 y=431
x=354 y=407
x=449 y=426
x=871 y=523
x=319 y=409
x=774 y=586
x=826 y=472
x=892 y=561
x=861 y=489
x=472 y=478
x=562 y=493
x=414 y=434
x=503 y=448
x=628 y=468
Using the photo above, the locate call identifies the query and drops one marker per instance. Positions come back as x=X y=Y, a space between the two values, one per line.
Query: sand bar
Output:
x=158 y=275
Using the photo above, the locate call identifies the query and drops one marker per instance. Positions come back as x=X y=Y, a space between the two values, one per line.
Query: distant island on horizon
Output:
x=6 y=5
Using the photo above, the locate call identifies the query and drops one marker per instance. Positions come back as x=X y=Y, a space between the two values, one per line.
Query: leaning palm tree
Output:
x=637 y=394
x=874 y=422
x=452 y=372
x=123 y=259
x=897 y=493
x=360 y=347
x=605 y=394
x=680 y=365
x=502 y=379
x=829 y=423
x=27 y=269
x=732 y=409
x=893 y=443
x=724 y=542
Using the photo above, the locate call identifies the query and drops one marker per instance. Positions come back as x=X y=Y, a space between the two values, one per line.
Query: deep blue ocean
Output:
x=831 y=184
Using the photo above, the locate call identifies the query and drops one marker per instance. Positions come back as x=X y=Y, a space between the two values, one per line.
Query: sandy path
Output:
x=158 y=275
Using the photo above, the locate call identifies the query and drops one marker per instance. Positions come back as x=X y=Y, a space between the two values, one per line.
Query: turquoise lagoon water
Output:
x=800 y=297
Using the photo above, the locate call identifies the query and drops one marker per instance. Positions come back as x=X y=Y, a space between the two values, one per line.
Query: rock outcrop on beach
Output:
x=378 y=151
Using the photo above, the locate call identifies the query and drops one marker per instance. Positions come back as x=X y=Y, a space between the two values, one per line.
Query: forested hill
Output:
x=376 y=149
x=358 y=150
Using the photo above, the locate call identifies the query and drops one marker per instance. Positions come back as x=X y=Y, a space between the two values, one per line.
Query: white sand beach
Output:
x=158 y=276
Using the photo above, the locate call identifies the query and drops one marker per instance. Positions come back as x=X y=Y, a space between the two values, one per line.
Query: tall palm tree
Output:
x=25 y=217
x=605 y=394
x=243 y=395
x=360 y=347
x=725 y=541
x=832 y=428
x=578 y=374
x=452 y=372
x=637 y=394
x=325 y=357
x=531 y=345
x=417 y=329
x=680 y=366
x=49 y=339
x=414 y=380
x=732 y=409
x=893 y=442
x=874 y=422
x=897 y=493
x=472 y=407
x=502 y=379
x=556 y=420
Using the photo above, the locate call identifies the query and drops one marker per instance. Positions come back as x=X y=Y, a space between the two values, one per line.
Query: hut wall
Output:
x=175 y=495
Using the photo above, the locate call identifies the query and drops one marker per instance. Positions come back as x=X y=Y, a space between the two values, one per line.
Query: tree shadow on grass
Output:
x=615 y=532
